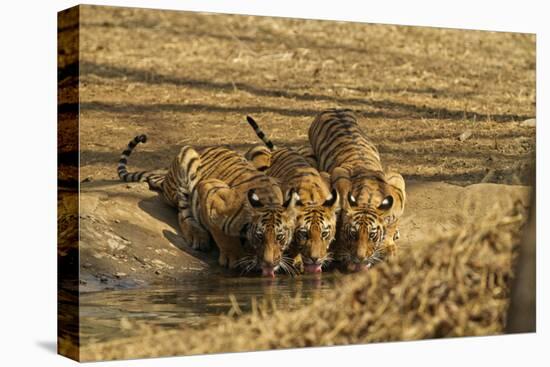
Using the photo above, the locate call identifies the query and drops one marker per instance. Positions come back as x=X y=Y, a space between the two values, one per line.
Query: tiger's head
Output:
x=315 y=231
x=368 y=222
x=362 y=232
x=269 y=233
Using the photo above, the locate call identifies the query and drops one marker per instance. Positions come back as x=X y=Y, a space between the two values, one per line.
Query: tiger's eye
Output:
x=280 y=237
x=325 y=234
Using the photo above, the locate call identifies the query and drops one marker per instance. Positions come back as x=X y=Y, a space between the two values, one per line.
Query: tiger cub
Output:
x=372 y=199
x=219 y=194
x=317 y=206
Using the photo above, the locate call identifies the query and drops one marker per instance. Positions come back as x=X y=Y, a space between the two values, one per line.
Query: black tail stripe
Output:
x=122 y=171
x=260 y=133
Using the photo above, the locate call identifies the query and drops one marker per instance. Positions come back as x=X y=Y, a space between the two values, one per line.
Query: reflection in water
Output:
x=193 y=303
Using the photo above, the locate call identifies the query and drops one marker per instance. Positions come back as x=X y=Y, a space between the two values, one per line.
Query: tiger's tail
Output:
x=153 y=179
x=268 y=143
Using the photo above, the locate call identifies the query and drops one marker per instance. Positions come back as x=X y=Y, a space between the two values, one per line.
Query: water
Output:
x=109 y=315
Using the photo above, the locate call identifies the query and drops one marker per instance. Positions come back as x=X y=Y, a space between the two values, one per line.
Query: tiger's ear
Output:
x=395 y=179
x=253 y=199
x=292 y=199
x=352 y=201
x=397 y=185
x=332 y=201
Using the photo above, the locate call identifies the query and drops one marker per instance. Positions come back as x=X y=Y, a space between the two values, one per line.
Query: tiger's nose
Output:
x=315 y=260
x=362 y=253
x=272 y=263
x=271 y=255
x=365 y=253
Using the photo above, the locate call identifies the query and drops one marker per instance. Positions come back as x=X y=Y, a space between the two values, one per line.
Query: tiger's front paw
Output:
x=223 y=260
x=194 y=235
x=200 y=241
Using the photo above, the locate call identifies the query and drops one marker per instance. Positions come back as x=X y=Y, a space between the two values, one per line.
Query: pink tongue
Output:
x=268 y=272
x=313 y=268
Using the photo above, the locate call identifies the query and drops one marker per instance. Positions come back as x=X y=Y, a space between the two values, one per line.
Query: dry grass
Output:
x=191 y=78
x=454 y=285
